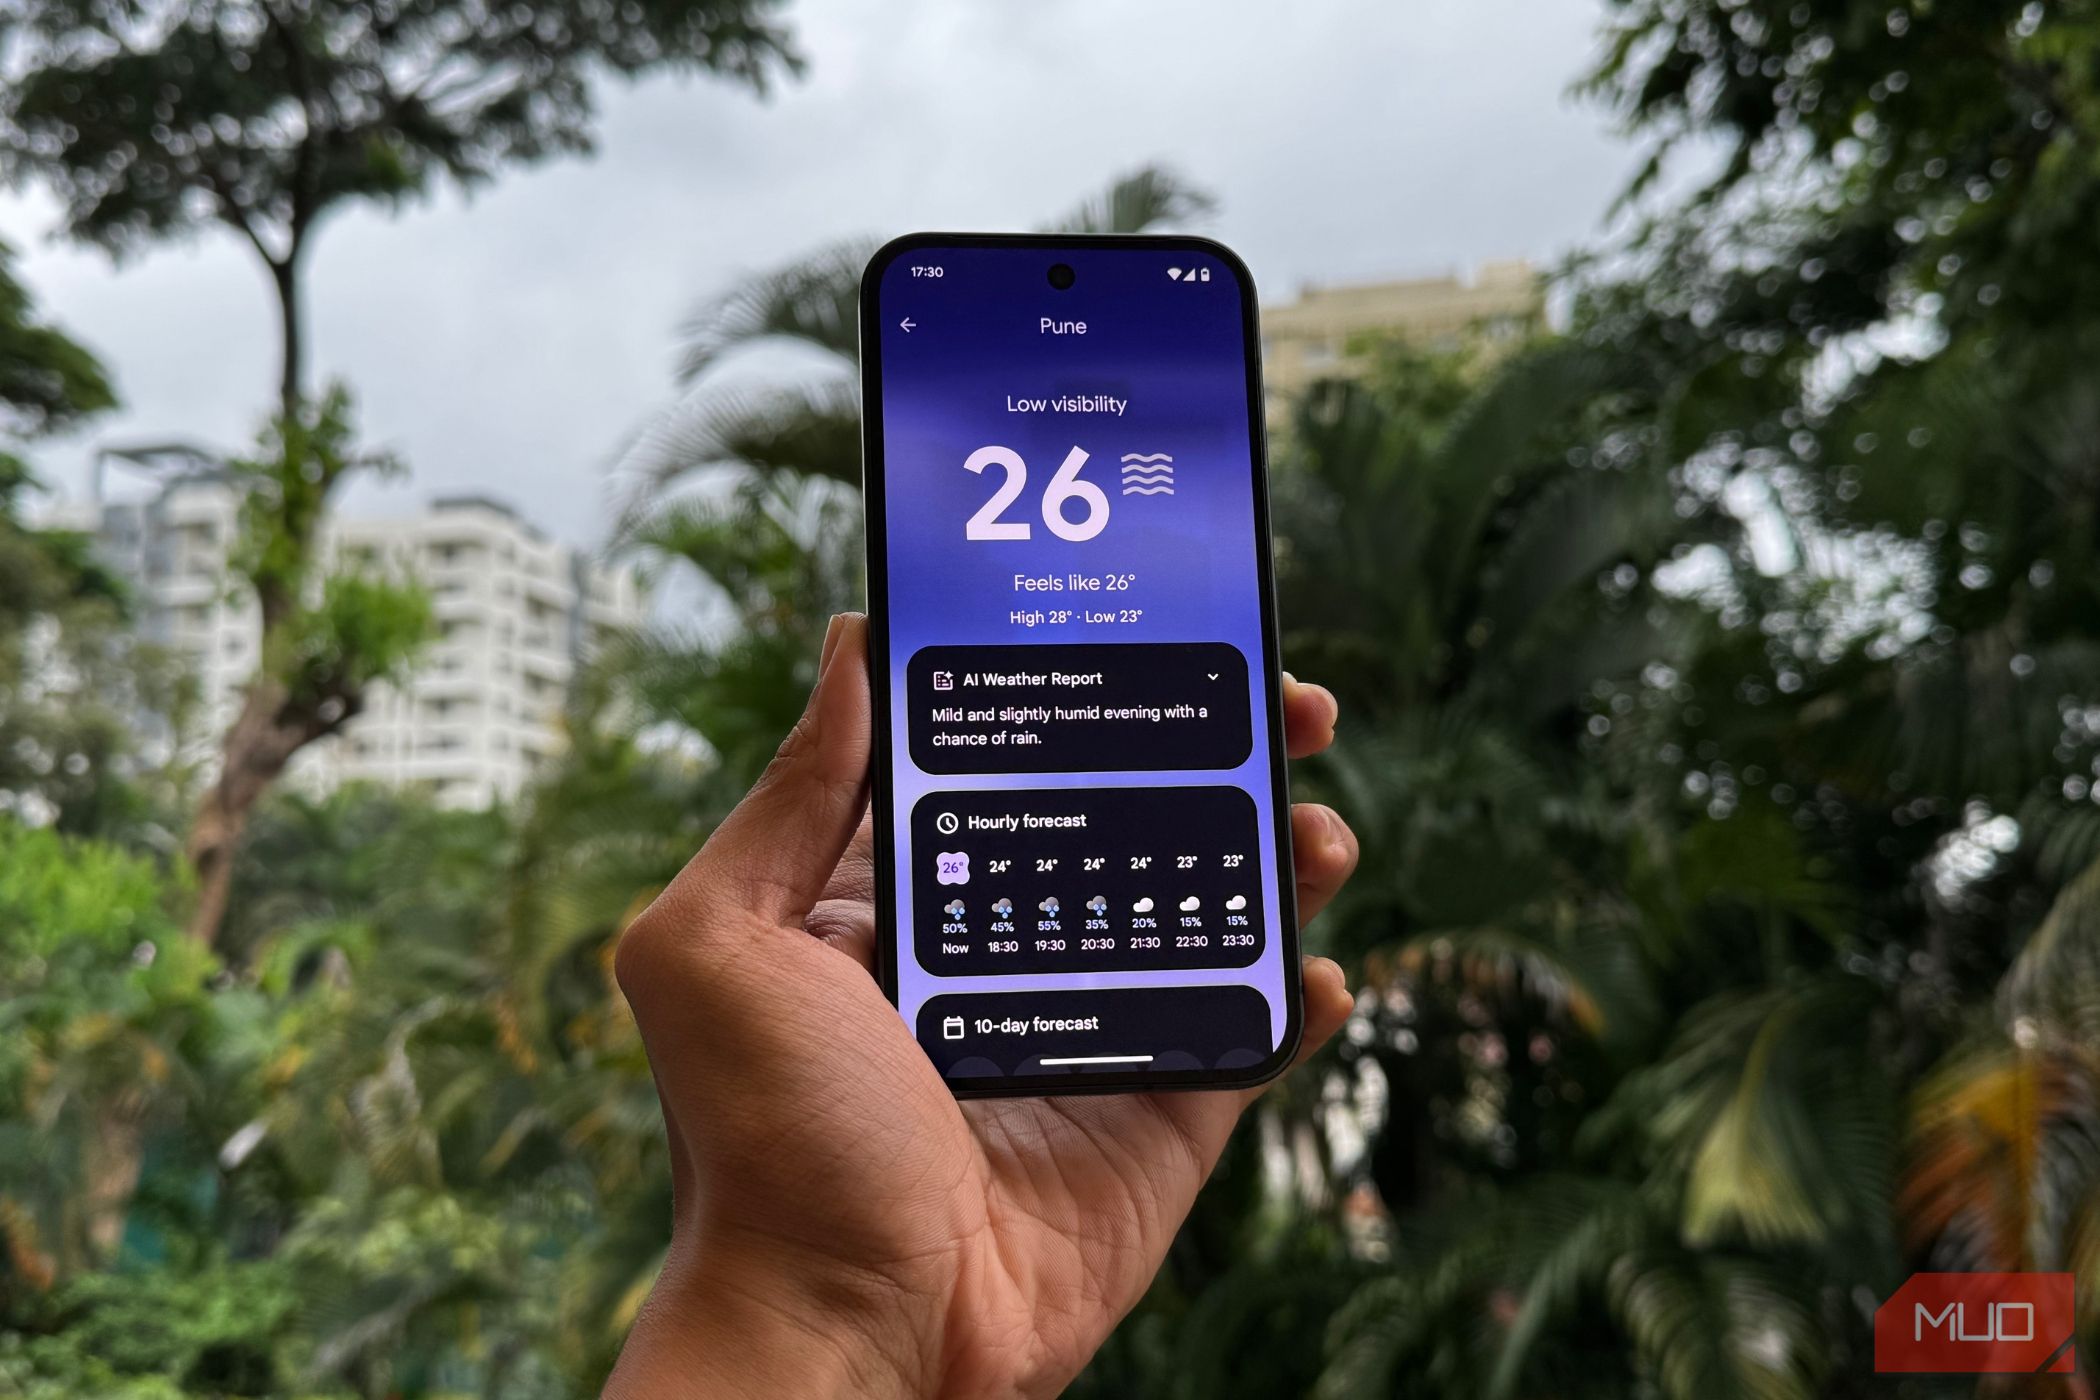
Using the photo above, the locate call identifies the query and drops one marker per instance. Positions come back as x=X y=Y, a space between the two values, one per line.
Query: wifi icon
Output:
x=1175 y=273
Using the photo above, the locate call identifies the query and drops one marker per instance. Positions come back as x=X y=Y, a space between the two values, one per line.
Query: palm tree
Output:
x=811 y=310
x=1800 y=903
x=451 y=1071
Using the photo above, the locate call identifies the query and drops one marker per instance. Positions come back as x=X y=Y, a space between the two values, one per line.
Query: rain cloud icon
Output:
x=953 y=909
x=1004 y=908
x=1050 y=906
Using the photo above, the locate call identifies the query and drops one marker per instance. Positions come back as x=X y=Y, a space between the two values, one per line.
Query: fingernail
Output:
x=831 y=642
x=1313 y=971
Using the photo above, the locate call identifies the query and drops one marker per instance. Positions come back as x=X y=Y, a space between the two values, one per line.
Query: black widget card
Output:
x=1173 y=1029
x=1099 y=707
x=1085 y=880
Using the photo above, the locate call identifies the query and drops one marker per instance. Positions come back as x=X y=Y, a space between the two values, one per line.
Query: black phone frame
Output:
x=874 y=503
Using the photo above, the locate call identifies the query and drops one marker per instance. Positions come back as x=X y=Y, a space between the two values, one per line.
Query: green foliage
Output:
x=1831 y=819
x=151 y=120
x=779 y=554
x=363 y=630
x=158 y=1335
x=147 y=121
x=47 y=379
x=811 y=425
x=325 y=641
x=1717 y=692
x=74 y=681
x=1941 y=150
x=104 y=1020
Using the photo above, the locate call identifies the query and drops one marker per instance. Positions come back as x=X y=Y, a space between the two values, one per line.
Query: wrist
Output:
x=727 y=1330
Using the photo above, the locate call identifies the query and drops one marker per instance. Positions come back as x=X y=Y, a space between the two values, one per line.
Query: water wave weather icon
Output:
x=1148 y=474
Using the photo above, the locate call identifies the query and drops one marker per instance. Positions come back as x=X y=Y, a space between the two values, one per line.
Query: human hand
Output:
x=843 y=1225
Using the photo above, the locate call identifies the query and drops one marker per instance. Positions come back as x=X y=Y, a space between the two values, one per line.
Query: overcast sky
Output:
x=508 y=344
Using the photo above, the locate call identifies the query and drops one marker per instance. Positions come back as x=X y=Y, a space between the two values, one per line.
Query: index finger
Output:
x=772 y=855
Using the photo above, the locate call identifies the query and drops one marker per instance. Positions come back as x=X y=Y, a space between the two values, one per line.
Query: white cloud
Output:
x=509 y=343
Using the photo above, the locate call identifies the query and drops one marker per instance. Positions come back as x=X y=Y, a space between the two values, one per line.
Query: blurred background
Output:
x=428 y=459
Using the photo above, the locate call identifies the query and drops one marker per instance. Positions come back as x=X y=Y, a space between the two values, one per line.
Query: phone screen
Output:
x=1081 y=813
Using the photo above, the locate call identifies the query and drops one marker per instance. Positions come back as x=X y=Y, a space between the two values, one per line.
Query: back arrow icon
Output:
x=906 y=324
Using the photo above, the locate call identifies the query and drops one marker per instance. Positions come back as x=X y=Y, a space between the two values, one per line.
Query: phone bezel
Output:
x=875 y=503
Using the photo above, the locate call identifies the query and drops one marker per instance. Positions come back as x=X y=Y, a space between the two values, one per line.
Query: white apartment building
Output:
x=517 y=614
x=172 y=547
x=1323 y=333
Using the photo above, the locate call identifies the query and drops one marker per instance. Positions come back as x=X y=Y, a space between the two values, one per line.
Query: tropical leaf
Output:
x=1778 y=1130
x=813 y=302
x=808 y=429
x=1507 y=961
x=1138 y=202
x=2002 y=1163
x=2053 y=985
x=810 y=425
x=1714 y=1326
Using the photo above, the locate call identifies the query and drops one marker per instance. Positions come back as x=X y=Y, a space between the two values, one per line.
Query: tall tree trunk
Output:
x=292 y=329
x=268 y=730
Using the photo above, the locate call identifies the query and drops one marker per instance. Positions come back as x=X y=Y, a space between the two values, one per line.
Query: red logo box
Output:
x=1975 y=1323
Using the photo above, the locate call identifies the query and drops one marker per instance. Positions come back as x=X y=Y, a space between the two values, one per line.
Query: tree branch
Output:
x=236 y=217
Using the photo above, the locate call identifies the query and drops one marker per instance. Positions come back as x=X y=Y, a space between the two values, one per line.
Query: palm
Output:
x=1086 y=1191
x=807 y=1128
x=810 y=425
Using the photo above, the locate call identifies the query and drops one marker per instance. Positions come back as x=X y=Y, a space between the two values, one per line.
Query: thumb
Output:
x=772 y=855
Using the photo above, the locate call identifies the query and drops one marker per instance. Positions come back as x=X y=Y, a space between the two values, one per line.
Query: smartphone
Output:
x=1082 y=825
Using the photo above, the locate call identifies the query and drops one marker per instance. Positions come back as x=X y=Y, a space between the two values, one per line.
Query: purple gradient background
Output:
x=1174 y=351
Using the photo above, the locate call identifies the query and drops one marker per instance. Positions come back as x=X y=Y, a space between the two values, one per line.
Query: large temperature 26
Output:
x=1065 y=485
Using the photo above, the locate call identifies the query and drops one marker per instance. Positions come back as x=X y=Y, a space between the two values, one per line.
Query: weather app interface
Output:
x=1085 y=818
